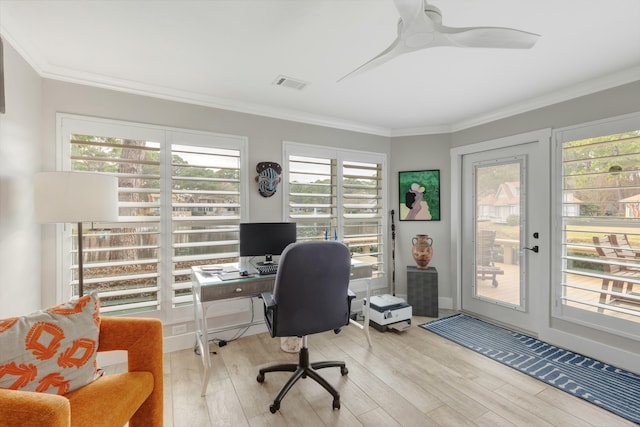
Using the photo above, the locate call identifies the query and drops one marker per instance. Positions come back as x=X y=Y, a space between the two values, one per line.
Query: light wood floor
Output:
x=413 y=378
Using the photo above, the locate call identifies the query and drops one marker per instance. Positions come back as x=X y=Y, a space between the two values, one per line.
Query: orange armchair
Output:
x=135 y=396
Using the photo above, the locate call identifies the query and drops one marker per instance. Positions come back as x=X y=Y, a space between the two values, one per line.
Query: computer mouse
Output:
x=244 y=273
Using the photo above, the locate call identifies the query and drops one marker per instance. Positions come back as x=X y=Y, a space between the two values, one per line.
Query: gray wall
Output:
x=20 y=142
x=424 y=152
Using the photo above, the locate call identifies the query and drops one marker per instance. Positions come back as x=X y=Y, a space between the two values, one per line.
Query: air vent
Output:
x=289 y=82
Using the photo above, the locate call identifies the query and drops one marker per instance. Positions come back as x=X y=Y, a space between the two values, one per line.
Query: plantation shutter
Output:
x=205 y=195
x=334 y=194
x=181 y=198
x=313 y=197
x=122 y=259
x=600 y=228
x=362 y=212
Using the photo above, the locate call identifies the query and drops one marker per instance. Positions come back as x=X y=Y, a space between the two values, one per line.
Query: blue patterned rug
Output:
x=611 y=388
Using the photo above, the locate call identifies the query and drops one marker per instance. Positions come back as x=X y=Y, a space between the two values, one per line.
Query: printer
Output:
x=388 y=312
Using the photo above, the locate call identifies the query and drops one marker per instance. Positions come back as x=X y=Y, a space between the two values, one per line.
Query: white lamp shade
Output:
x=75 y=197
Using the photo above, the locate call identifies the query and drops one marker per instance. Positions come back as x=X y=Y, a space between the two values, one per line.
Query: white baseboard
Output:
x=445 y=302
x=171 y=343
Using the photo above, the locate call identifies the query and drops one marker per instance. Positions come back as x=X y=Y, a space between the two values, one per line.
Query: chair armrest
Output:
x=28 y=408
x=267 y=298
x=270 y=312
x=142 y=339
x=350 y=295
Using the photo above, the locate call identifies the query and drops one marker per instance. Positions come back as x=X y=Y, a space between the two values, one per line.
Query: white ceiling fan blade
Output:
x=412 y=18
x=492 y=37
x=420 y=27
x=395 y=49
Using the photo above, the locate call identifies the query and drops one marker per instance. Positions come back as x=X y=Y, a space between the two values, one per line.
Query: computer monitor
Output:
x=266 y=238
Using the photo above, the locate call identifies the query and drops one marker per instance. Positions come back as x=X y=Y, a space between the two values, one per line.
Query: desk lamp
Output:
x=67 y=197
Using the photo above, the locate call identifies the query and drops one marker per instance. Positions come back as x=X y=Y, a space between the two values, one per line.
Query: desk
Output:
x=208 y=288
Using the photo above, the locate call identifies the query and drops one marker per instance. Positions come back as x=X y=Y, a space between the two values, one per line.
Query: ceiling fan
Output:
x=420 y=27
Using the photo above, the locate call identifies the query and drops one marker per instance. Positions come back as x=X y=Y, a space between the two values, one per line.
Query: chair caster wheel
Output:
x=344 y=371
x=273 y=408
x=260 y=378
x=336 y=403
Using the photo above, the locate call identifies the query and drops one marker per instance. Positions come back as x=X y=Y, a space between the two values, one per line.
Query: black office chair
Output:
x=311 y=295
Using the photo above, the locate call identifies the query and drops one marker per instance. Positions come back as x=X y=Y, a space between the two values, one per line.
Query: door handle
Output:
x=535 y=249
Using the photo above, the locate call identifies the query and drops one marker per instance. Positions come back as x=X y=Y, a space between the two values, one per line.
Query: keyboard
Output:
x=267 y=269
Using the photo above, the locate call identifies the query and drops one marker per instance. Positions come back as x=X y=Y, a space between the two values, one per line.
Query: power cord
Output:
x=222 y=342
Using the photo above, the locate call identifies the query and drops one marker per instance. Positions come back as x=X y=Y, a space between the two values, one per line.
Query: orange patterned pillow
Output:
x=52 y=350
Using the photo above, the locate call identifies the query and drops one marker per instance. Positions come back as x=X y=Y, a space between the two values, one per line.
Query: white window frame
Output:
x=341 y=155
x=67 y=124
x=559 y=310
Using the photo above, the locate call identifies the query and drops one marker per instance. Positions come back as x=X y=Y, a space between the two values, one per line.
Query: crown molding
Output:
x=589 y=87
x=584 y=88
x=39 y=64
x=154 y=91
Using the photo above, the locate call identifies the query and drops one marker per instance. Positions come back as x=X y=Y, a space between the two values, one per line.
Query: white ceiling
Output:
x=227 y=54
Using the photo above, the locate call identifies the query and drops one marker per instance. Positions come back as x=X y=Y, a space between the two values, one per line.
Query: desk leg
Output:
x=206 y=357
x=365 y=311
x=202 y=341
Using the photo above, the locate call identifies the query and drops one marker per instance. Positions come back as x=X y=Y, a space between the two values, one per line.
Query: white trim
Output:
x=507 y=141
x=603 y=83
x=456 y=155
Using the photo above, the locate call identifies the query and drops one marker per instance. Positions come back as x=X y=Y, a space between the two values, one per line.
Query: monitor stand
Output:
x=268 y=260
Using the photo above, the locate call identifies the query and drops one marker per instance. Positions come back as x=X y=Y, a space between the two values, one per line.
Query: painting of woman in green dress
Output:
x=419 y=195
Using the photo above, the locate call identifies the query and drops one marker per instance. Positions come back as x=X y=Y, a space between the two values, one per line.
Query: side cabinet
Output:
x=422 y=291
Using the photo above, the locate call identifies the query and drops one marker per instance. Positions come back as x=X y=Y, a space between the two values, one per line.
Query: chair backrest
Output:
x=606 y=251
x=622 y=246
x=311 y=288
x=486 y=241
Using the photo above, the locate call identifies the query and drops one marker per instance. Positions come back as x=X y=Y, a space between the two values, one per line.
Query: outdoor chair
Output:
x=617 y=274
x=484 y=257
x=622 y=246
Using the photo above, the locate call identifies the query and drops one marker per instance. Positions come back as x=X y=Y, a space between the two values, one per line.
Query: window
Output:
x=599 y=205
x=338 y=194
x=180 y=204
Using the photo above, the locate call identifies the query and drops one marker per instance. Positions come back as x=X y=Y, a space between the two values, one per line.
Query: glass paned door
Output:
x=505 y=212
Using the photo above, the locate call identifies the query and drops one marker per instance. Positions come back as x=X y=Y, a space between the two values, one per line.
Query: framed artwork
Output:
x=419 y=195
